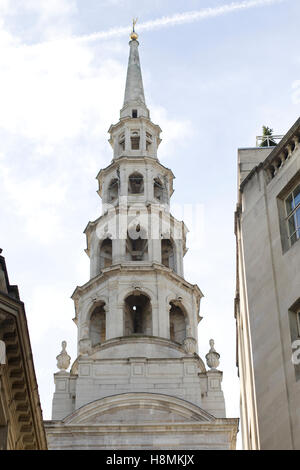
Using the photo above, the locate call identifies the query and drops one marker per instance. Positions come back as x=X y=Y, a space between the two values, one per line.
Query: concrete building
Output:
x=267 y=306
x=138 y=381
x=21 y=422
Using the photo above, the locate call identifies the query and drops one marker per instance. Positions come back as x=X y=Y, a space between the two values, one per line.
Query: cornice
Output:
x=141 y=269
x=131 y=159
x=125 y=120
x=285 y=141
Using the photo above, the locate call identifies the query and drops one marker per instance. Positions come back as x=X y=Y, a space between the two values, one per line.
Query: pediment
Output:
x=138 y=408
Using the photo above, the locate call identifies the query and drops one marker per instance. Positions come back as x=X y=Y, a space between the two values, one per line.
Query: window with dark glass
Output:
x=298 y=322
x=294 y=321
x=135 y=183
x=292 y=205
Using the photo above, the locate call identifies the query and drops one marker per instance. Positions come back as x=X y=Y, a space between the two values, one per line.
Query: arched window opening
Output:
x=177 y=324
x=137 y=245
x=158 y=189
x=137 y=315
x=168 y=254
x=135 y=140
x=98 y=325
x=106 y=253
x=122 y=142
x=136 y=184
x=113 y=190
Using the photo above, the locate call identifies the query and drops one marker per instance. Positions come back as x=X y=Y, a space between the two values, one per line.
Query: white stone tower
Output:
x=138 y=382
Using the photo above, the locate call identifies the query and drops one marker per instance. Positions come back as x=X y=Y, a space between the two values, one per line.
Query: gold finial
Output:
x=133 y=35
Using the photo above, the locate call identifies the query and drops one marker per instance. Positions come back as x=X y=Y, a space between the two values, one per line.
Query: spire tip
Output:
x=134 y=35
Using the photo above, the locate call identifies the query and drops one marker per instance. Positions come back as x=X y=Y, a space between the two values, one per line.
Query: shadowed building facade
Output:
x=138 y=381
x=267 y=305
x=21 y=422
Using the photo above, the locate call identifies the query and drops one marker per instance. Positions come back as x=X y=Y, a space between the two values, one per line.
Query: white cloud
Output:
x=47 y=18
x=56 y=91
x=174 y=131
x=180 y=18
x=58 y=100
x=49 y=307
x=50 y=8
x=296 y=92
x=34 y=200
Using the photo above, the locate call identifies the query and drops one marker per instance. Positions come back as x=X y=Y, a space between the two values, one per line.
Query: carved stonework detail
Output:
x=63 y=359
x=190 y=345
x=85 y=346
x=212 y=357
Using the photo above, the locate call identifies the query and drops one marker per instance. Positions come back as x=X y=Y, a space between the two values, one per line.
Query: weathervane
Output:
x=133 y=35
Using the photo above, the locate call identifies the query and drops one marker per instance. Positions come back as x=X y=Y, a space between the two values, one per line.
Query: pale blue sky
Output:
x=210 y=84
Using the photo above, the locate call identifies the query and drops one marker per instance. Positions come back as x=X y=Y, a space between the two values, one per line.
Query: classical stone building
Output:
x=21 y=422
x=138 y=381
x=267 y=306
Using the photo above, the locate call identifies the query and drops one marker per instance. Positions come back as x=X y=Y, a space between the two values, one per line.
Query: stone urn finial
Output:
x=63 y=359
x=212 y=357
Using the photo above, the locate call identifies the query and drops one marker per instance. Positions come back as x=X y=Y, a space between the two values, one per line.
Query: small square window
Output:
x=134 y=113
x=135 y=143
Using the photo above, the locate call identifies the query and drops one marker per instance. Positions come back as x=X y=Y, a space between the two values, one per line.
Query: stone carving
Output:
x=85 y=346
x=189 y=345
x=212 y=357
x=63 y=359
x=136 y=284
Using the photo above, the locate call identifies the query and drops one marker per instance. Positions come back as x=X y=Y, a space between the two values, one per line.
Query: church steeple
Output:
x=135 y=135
x=134 y=99
x=134 y=90
x=138 y=381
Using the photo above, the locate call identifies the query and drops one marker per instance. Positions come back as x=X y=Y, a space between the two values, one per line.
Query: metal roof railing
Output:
x=268 y=140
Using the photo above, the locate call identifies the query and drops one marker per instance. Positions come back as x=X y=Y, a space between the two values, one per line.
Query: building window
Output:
x=137 y=245
x=167 y=254
x=135 y=183
x=106 y=253
x=298 y=322
x=294 y=321
x=292 y=205
x=98 y=325
x=122 y=143
x=137 y=315
x=177 y=324
x=113 y=190
x=158 y=189
x=134 y=113
x=135 y=140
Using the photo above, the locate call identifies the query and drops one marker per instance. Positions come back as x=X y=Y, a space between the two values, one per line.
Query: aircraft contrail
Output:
x=179 y=18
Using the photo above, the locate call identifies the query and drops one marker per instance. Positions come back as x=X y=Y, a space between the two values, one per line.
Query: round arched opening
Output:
x=168 y=253
x=137 y=244
x=98 y=325
x=137 y=315
x=106 y=253
x=158 y=189
x=113 y=190
x=177 y=323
